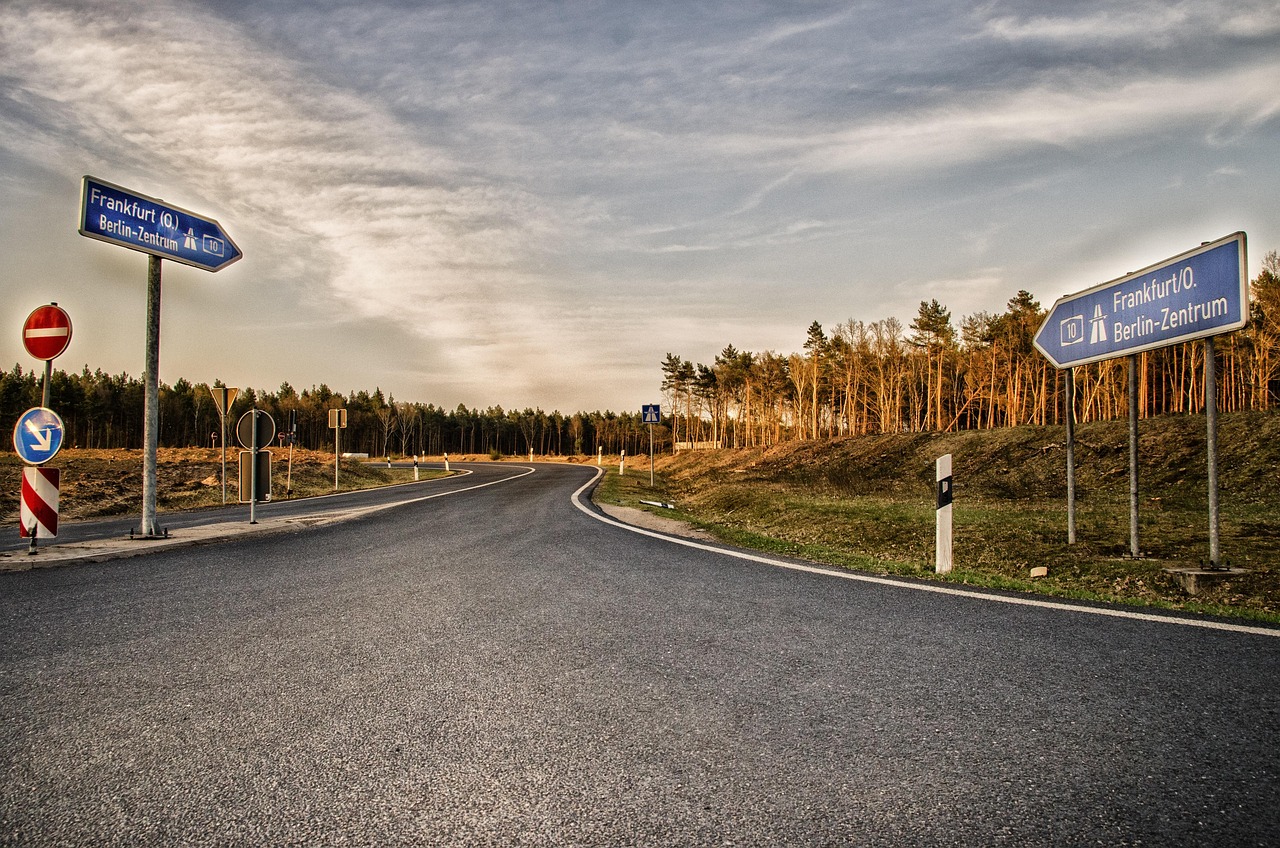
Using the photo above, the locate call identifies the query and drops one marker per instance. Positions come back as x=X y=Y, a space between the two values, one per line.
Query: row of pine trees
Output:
x=862 y=377
x=882 y=377
x=101 y=410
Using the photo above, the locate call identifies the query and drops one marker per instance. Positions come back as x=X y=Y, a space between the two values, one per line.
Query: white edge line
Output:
x=379 y=507
x=362 y=511
x=461 y=472
x=974 y=594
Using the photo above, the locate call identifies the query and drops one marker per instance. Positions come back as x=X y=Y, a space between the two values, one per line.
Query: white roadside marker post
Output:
x=943 y=534
x=622 y=463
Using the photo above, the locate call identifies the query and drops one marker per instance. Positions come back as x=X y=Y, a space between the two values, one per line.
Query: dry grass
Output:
x=98 y=483
x=867 y=502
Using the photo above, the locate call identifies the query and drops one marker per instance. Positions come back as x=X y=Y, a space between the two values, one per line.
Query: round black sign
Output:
x=266 y=429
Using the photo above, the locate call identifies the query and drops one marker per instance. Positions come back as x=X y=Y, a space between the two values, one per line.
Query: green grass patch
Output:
x=866 y=503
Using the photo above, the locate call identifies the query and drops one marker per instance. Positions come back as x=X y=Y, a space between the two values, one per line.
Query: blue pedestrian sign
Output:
x=1200 y=293
x=37 y=437
x=123 y=217
x=651 y=413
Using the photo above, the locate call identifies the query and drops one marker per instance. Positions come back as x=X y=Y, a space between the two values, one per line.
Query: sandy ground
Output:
x=649 y=521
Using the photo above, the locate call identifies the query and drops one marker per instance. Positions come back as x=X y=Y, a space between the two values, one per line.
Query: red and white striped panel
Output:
x=39 y=502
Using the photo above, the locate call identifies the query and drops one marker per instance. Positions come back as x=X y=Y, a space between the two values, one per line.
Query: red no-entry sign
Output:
x=47 y=332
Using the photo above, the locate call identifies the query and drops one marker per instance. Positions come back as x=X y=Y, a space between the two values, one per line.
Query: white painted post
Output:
x=415 y=468
x=622 y=463
x=943 y=535
x=446 y=461
x=600 y=457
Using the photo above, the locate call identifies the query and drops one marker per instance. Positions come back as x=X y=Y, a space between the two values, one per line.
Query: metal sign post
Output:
x=338 y=422
x=1211 y=441
x=1070 y=381
x=293 y=437
x=1198 y=294
x=223 y=397
x=37 y=437
x=151 y=401
x=255 y=430
x=46 y=334
x=253 y=470
x=126 y=218
x=651 y=414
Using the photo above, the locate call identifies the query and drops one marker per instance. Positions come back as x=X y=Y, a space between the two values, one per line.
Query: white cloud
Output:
x=486 y=195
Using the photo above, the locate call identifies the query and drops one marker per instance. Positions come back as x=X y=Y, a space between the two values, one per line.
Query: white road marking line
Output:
x=938 y=589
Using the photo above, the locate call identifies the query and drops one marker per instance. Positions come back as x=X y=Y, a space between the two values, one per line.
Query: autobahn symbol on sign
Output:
x=1200 y=293
x=651 y=413
x=38 y=514
x=47 y=332
x=124 y=217
x=37 y=437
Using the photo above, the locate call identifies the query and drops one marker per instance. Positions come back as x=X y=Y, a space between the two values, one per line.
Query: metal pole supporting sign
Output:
x=123 y=217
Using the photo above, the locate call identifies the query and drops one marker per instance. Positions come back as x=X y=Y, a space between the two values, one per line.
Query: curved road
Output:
x=118 y=527
x=499 y=666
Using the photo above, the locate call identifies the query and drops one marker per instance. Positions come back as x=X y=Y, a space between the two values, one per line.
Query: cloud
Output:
x=355 y=206
x=1150 y=24
x=488 y=193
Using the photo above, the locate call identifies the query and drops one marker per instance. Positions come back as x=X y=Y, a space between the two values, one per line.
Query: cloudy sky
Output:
x=530 y=204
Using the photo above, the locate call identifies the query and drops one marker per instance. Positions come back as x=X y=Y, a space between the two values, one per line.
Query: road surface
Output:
x=500 y=666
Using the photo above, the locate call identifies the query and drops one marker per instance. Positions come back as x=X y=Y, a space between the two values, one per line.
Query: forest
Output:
x=102 y=410
x=882 y=377
x=862 y=377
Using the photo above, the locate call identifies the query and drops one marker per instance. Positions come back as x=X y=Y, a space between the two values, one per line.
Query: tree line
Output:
x=862 y=377
x=881 y=377
x=101 y=410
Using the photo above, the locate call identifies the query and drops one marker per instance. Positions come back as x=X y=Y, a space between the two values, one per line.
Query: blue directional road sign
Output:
x=1196 y=294
x=651 y=413
x=37 y=437
x=120 y=216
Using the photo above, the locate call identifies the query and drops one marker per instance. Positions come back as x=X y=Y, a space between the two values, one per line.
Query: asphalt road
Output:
x=498 y=667
x=119 y=527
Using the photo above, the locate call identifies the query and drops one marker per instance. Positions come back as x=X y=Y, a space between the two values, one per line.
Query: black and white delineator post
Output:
x=943 y=535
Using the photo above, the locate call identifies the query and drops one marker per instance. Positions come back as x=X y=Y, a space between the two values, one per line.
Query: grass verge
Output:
x=867 y=503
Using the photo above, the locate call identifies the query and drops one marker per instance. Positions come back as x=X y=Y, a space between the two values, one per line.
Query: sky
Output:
x=529 y=204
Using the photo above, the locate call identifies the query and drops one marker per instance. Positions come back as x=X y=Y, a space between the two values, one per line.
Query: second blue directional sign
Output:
x=37 y=437
x=1200 y=293
x=120 y=216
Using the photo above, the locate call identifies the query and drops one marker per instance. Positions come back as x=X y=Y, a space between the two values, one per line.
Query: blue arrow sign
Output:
x=37 y=437
x=651 y=414
x=1200 y=293
x=117 y=215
